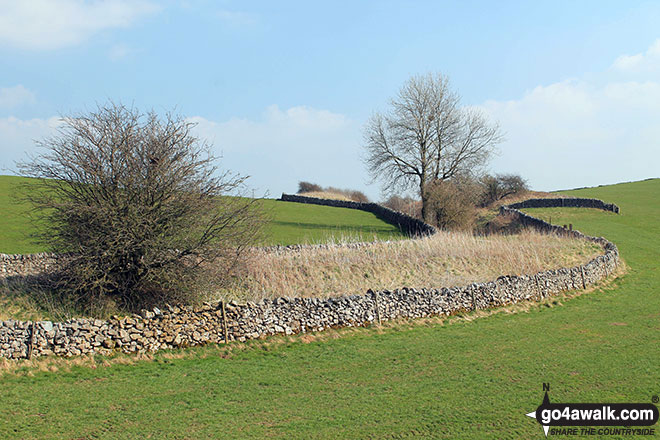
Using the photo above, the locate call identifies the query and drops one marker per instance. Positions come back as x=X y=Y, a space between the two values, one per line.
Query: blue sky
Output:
x=283 y=89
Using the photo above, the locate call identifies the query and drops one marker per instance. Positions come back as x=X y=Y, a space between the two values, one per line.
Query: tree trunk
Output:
x=426 y=212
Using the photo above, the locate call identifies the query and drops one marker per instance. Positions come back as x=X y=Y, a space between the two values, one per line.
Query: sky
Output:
x=282 y=90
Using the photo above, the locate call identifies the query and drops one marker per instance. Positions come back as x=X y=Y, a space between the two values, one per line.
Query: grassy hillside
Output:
x=15 y=229
x=291 y=222
x=300 y=223
x=470 y=379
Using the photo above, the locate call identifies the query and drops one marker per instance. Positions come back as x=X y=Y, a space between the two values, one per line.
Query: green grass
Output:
x=15 y=229
x=291 y=223
x=294 y=223
x=472 y=379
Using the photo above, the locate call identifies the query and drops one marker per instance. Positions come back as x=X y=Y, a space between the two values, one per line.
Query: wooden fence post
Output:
x=538 y=286
x=224 y=322
x=32 y=340
x=377 y=307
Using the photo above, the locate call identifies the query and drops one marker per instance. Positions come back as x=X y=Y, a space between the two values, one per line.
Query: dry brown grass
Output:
x=443 y=260
x=326 y=195
x=24 y=367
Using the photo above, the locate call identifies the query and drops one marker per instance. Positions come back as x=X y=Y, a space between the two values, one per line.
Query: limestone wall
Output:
x=568 y=202
x=407 y=224
x=217 y=322
x=28 y=264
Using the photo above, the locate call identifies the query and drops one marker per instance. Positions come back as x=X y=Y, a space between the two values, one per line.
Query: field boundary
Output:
x=222 y=322
x=565 y=202
x=409 y=225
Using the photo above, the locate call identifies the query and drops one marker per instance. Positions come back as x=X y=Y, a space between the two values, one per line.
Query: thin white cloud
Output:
x=16 y=96
x=18 y=136
x=120 y=51
x=53 y=24
x=628 y=62
x=236 y=18
x=640 y=63
x=287 y=146
x=585 y=132
x=278 y=150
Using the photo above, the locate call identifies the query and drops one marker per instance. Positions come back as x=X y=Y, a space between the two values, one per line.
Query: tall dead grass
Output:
x=327 y=195
x=442 y=260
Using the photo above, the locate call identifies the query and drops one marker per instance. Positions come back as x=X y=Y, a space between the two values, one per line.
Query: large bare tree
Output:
x=141 y=207
x=427 y=137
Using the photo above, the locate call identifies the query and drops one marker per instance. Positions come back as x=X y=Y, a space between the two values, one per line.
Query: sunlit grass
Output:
x=466 y=379
x=443 y=260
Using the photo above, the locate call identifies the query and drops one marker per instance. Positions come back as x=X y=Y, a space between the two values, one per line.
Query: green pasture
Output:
x=469 y=379
x=292 y=223
x=289 y=223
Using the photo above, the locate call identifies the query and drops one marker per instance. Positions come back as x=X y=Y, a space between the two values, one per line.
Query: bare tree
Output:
x=427 y=137
x=141 y=207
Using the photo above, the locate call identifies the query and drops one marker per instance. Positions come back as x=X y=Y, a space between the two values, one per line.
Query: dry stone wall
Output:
x=44 y=263
x=568 y=202
x=29 y=264
x=408 y=224
x=223 y=322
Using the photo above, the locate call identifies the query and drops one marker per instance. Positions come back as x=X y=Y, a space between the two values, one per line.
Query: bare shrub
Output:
x=501 y=224
x=358 y=196
x=452 y=203
x=314 y=190
x=354 y=195
x=327 y=195
x=141 y=206
x=306 y=187
x=500 y=186
x=406 y=205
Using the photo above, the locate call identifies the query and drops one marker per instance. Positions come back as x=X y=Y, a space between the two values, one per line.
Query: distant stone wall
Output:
x=409 y=225
x=568 y=202
x=223 y=322
x=28 y=264
x=44 y=263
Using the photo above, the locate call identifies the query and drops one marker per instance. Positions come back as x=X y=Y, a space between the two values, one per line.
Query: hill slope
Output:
x=291 y=223
x=470 y=379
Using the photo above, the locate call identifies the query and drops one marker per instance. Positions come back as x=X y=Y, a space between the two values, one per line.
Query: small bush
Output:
x=406 y=205
x=353 y=195
x=453 y=203
x=500 y=186
x=358 y=196
x=306 y=187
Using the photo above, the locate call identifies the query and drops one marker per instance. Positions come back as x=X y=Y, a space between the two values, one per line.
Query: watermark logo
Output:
x=584 y=418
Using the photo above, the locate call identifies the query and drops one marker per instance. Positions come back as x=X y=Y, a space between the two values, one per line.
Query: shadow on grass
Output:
x=33 y=298
x=320 y=226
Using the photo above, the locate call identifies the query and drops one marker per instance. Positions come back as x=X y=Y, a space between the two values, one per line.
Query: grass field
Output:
x=469 y=379
x=290 y=223
x=293 y=223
